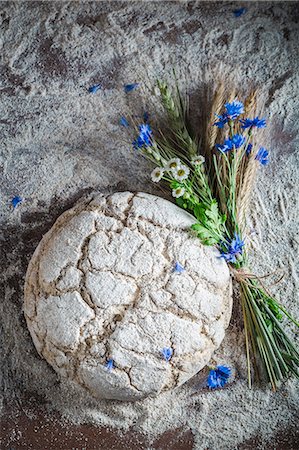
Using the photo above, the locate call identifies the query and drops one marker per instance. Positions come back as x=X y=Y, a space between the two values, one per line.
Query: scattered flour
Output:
x=59 y=142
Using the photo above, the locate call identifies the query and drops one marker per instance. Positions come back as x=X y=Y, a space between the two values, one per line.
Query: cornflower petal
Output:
x=94 y=89
x=167 y=353
x=109 y=364
x=262 y=156
x=16 y=201
x=123 y=122
x=238 y=12
x=130 y=87
x=178 y=268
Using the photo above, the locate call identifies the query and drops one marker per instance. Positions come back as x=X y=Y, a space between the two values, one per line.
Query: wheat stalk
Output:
x=247 y=171
x=217 y=105
x=245 y=194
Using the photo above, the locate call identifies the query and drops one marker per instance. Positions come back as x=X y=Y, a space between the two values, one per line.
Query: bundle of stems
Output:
x=214 y=183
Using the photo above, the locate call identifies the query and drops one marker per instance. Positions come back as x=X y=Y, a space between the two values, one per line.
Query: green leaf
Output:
x=180 y=201
x=199 y=212
x=204 y=234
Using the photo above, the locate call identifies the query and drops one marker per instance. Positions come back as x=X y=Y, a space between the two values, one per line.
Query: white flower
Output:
x=198 y=160
x=157 y=174
x=173 y=164
x=178 y=192
x=181 y=173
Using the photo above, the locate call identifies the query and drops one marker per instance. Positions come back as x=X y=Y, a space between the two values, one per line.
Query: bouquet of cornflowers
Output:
x=213 y=181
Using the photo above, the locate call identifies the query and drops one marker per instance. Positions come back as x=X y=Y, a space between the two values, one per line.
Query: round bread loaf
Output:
x=121 y=297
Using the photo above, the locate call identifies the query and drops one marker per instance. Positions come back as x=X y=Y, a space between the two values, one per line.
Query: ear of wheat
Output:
x=214 y=183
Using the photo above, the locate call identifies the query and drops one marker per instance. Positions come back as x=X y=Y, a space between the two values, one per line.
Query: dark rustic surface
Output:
x=59 y=142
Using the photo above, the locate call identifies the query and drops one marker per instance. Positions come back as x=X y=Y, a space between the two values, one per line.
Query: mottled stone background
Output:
x=58 y=142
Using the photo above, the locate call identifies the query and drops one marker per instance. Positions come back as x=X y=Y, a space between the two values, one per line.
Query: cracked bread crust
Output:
x=100 y=286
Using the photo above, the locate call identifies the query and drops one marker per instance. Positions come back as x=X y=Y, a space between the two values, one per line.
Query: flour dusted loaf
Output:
x=101 y=286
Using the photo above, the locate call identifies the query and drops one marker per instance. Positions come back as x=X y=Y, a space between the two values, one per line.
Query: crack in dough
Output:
x=101 y=286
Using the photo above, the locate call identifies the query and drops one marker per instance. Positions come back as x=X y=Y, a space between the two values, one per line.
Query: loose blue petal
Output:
x=94 y=89
x=167 y=353
x=238 y=12
x=130 y=87
x=178 y=268
x=123 y=122
x=16 y=201
x=262 y=156
x=109 y=364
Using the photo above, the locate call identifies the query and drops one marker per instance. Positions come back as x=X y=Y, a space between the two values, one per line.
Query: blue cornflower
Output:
x=138 y=143
x=218 y=377
x=145 y=129
x=233 y=110
x=248 y=149
x=130 y=87
x=109 y=364
x=144 y=138
x=178 y=268
x=231 y=250
x=94 y=89
x=256 y=122
x=167 y=353
x=223 y=119
x=226 y=146
x=262 y=156
x=236 y=141
x=238 y=12
x=123 y=122
x=16 y=201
